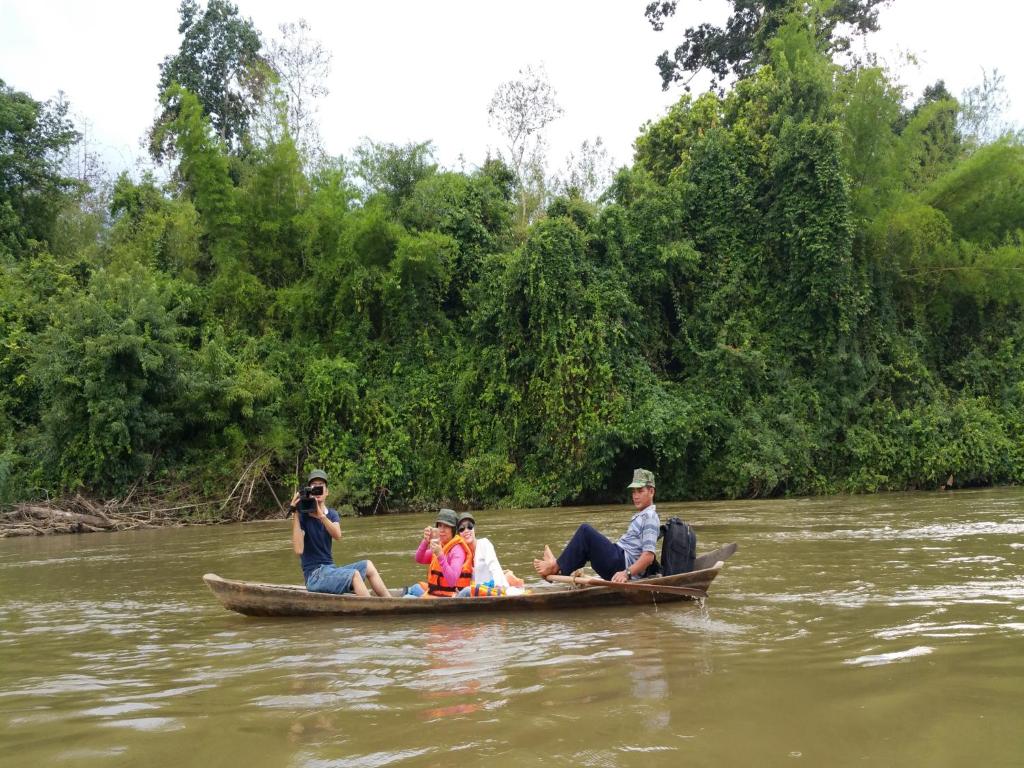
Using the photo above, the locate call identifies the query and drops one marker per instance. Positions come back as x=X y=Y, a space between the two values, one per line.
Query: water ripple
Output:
x=890 y=658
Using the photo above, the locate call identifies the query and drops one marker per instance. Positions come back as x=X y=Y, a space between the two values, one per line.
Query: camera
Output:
x=307 y=498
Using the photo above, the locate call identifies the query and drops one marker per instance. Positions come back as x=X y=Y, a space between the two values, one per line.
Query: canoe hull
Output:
x=257 y=599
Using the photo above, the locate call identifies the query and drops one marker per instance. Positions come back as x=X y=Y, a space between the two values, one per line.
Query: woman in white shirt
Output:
x=489 y=578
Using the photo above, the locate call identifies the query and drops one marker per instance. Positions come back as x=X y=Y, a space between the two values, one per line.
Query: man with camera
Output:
x=314 y=528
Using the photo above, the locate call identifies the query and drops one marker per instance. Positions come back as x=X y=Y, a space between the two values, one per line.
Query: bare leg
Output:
x=547 y=565
x=376 y=582
x=358 y=587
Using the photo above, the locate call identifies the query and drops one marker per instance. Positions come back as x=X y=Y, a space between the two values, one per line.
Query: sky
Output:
x=418 y=70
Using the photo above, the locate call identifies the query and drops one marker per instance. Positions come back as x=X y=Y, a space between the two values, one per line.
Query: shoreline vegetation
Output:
x=806 y=282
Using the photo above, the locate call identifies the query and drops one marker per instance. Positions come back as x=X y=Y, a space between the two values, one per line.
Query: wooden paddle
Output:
x=629 y=585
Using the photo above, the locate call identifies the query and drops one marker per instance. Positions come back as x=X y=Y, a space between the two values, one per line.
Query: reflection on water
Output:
x=845 y=631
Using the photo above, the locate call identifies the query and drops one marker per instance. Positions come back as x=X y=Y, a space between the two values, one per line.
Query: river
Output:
x=869 y=630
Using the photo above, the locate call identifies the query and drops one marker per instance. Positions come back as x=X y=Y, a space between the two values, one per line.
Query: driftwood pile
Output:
x=148 y=508
x=143 y=509
x=80 y=515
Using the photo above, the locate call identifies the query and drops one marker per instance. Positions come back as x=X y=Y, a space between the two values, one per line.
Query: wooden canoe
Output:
x=256 y=599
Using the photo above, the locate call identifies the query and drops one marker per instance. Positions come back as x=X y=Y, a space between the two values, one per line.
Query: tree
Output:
x=35 y=137
x=204 y=167
x=301 y=64
x=587 y=172
x=271 y=202
x=220 y=62
x=82 y=162
x=982 y=109
x=392 y=170
x=740 y=46
x=521 y=109
x=111 y=375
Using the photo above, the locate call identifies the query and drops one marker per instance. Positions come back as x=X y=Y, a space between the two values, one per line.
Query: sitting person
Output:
x=489 y=579
x=313 y=535
x=627 y=558
x=450 y=559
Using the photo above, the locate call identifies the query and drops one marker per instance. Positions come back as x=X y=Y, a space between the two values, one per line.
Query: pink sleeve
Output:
x=423 y=554
x=451 y=566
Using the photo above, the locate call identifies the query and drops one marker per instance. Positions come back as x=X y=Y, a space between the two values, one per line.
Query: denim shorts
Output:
x=335 y=579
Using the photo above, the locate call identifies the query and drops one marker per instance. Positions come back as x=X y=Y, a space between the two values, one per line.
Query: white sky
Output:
x=417 y=70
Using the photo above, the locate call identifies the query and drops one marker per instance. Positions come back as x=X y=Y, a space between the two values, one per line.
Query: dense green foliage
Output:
x=801 y=286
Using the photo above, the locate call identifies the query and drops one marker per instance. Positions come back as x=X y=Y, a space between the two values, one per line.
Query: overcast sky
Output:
x=417 y=70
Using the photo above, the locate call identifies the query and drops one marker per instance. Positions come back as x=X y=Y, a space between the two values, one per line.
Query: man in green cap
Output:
x=620 y=561
x=313 y=535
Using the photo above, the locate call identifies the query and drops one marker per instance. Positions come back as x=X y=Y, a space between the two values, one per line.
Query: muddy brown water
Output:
x=882 y=630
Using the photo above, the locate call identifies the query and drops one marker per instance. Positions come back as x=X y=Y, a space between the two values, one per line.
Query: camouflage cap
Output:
x=447 y=517
x=642 y=478
x=317 y=474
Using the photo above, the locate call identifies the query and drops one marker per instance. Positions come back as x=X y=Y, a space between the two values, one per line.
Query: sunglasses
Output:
x=466 y=527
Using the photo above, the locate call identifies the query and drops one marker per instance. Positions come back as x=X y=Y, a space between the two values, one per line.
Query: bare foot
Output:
x=547 y=565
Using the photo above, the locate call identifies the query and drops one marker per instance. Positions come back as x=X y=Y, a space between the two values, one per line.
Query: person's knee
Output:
x=371 y=571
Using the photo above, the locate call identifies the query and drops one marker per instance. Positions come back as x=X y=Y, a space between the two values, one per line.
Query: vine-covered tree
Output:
x=738 y=47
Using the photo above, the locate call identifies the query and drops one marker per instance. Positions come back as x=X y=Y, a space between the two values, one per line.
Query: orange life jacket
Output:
x=436 y=585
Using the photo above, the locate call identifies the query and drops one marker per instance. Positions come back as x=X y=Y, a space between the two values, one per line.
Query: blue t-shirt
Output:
x=316 y=546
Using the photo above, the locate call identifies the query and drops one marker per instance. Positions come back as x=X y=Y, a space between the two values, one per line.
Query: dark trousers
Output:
x=587 y=545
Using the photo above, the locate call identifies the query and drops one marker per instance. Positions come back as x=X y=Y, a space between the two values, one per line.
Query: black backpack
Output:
x=679 y=548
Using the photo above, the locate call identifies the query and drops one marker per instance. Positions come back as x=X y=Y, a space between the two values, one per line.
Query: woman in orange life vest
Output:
x=450 y=559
